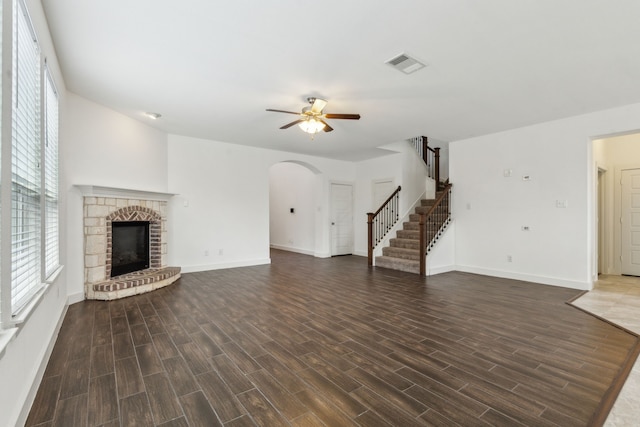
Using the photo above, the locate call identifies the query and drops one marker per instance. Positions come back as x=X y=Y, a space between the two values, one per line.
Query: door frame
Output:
x=602 y=262
x=352 y=185
x=617 y=209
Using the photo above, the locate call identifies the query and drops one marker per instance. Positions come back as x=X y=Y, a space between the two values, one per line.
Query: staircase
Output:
x=403 y=252
x=408 y=250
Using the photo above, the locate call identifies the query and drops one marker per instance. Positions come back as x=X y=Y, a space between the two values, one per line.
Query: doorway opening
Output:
x=616 y=210
x=292 y=207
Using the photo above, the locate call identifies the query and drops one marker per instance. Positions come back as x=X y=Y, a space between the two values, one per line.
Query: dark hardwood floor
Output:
x=329 y=342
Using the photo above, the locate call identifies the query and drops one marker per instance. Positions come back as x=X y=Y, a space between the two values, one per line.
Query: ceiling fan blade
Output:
x=343 y=116
x=327 y=128
x=318 y=105
x=288 y=125
x=281 y=111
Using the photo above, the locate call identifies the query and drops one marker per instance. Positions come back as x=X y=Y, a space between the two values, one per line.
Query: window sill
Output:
x=24 y=313
x=53 y=276
x=12 y=328
x=6 y=335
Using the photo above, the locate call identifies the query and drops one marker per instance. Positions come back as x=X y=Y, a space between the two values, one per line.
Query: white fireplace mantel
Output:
x=98 y=191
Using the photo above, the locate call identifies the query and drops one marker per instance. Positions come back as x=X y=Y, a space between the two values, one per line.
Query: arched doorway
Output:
x=293 y=206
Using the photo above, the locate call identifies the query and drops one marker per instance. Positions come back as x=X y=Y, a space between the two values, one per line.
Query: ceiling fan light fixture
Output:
x=311 y=125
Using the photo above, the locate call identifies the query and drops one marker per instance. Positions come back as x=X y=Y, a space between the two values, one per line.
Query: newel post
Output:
x=437 y=167
x=370 y=238
x=423 y=245
x=425 y=150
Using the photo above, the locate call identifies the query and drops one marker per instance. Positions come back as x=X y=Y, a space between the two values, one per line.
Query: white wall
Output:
x=220 y=217
x=490 y=209
x=104 y=148
x=292 y=186
x=441 y=257
x=614 y=154
x=23 y=360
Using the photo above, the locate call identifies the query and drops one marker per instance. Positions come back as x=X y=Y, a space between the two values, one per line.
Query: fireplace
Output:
x=125 y=242
x=129 y=247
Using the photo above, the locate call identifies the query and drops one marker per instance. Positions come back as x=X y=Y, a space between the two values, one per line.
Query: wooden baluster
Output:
x=380 y=222
x=437 y=167
x=423 y=244
x=370 y=239
x=425 y=150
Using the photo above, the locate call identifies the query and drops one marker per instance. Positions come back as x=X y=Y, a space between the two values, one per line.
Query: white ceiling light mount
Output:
x=405 y=63
x=153 y=116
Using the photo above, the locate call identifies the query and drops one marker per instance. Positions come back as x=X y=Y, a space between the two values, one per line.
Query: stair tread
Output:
x=398 y=260
x=403 y=253
x=407 y=265
x=406 y=250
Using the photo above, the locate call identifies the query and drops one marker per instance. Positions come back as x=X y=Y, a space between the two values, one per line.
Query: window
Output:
x=25 y=164
x=50 y=161
x=33 y=210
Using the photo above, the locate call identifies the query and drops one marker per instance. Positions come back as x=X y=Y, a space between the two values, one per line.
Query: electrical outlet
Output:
x=526 y=177
x=509 y=259
x=526 y=228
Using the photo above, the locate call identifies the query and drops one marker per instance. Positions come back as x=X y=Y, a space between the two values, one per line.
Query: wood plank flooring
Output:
x=309 y=342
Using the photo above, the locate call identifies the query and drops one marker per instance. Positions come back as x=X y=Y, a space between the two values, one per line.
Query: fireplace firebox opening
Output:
x=130 y=247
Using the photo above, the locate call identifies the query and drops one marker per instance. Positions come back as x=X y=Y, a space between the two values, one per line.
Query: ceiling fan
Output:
x=312 y=118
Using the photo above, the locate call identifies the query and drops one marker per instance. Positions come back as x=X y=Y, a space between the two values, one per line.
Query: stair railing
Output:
x=432 y=225
x=430 y=156
x=381 y=221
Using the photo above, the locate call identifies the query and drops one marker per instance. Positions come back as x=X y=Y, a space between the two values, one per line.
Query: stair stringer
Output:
x=441 y=256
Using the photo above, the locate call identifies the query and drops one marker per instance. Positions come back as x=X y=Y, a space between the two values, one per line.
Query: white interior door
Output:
x=630 y=222
x=341 y=219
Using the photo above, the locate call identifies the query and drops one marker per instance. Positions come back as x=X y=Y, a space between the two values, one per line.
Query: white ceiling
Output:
x=211 y=68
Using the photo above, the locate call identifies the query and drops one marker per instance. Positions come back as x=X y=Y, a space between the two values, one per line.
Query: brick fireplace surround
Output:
x=102 y=207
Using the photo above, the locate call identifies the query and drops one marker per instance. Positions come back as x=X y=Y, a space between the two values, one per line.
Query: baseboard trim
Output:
x=322 y=254
x=44 y=361
x=292 y=249
x=74 y=298
x=440 y=269
x=222 y=265
x=543 y=280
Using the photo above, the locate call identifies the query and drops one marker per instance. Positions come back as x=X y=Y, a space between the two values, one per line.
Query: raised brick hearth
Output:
x=99 y=215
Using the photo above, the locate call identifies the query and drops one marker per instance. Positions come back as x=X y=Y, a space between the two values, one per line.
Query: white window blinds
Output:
x=51 y=232
x=25 y=164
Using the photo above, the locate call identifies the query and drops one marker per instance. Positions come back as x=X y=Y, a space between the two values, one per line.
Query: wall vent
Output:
x=405 y=63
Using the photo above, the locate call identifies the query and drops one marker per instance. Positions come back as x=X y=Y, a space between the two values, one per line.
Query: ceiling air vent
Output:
x=405 y=63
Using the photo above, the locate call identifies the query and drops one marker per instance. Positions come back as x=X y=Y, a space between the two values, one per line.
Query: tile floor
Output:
x=617 y=299
x=309 y=341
